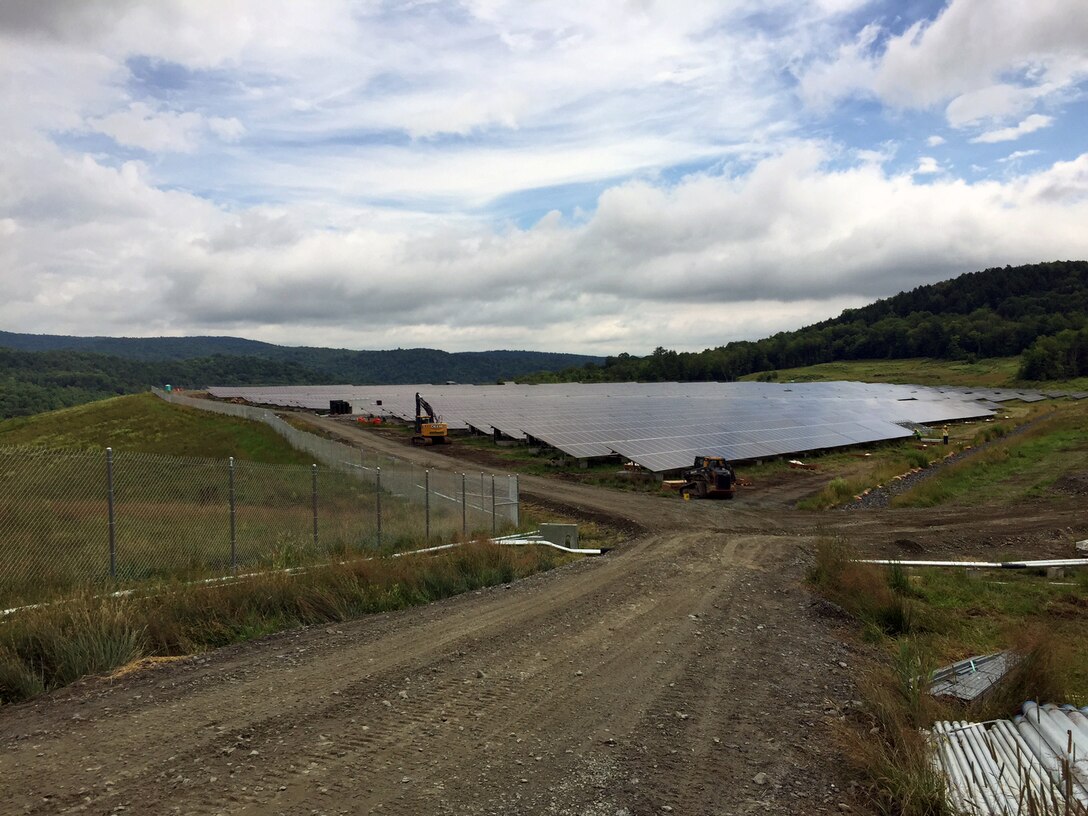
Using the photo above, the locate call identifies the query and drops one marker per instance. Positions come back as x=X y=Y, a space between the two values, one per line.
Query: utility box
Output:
x=565 y=535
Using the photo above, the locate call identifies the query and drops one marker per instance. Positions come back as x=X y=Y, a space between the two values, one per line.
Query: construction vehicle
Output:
x=712 y=477
x=429 y=431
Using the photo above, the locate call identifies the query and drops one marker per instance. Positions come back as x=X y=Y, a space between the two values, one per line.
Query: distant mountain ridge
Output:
x=488 y=364
x=40 y=372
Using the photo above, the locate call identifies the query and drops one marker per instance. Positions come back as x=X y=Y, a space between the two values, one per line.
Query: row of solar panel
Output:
x=662 y=426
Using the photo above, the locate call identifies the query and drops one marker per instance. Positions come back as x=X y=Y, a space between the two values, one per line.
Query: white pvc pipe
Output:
x=1031 y=779
x=1054 y=562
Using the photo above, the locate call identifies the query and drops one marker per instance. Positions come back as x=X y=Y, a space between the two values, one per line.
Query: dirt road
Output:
x=686 y=672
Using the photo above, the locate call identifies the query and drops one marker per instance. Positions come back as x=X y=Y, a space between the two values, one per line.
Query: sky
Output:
x=588 y=176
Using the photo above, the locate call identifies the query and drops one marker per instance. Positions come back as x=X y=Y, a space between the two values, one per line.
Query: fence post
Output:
x=112 y=517
x=378 y=496
x=464 y=509
x=314 y=490
x=493 y=529
x=515 y=488
x=233 y=523
x=427 y=503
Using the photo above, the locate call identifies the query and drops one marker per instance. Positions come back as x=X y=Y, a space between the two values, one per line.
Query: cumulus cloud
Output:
x=958 y=58
x=927 y=165
x=791 y=241
x=377 y=175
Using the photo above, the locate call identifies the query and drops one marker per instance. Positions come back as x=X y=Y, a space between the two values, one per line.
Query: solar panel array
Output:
x=663 y=426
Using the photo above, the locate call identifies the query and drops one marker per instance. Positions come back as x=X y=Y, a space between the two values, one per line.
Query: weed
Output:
x=898 y=580
x=891 y=752
x=864 y=590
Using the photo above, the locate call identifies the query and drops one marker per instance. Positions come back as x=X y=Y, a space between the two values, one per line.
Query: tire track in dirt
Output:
x=558 y=694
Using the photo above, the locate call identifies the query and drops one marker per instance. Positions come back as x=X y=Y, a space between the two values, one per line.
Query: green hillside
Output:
x=1039 y=311
x=46 y=372
x=142 y=423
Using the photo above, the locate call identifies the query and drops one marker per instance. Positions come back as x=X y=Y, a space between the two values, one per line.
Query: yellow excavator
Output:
x=429 y=431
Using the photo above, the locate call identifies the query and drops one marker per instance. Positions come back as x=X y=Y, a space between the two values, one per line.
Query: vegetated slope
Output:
x=46 y=380
x=342 y=365
x=1040 y=309
x=45 y=372
x=142 y=423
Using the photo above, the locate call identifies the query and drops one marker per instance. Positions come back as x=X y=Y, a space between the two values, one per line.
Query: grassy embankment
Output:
x=994 y=372
x=142 y=423
x=919 y=620
x=1025 y=466
x=172 y=509
x=1013 y=466
x=55 y=644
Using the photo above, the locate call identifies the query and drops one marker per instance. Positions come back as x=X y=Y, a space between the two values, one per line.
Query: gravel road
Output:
x=686 y=672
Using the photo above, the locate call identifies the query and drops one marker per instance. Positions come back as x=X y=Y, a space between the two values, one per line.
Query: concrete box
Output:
x=566 y=535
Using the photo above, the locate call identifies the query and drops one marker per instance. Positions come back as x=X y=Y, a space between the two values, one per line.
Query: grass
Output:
x=143 y=423
x=850 y=475
x=921 y=619
x=49 y=647
x=1015 y=466
x=172 y=518
x=997 y=372
x=1024 y=465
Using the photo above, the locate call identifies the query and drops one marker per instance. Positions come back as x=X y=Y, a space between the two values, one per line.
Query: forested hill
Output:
x=1037 y=310
x=60 y=371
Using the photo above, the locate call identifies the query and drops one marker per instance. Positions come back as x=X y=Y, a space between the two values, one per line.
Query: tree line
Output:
x=1038 y=310
x=44 y=380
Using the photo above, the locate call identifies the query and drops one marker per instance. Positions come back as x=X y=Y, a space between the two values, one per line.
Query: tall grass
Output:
x=866 y=591
x=891 y=749
x=933 y=617
x=49 y=647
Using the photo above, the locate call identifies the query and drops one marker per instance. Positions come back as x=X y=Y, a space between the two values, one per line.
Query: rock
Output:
x=760 y=778
x=480 y=674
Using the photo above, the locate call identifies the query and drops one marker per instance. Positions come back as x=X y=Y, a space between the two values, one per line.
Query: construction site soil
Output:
x=688 y=671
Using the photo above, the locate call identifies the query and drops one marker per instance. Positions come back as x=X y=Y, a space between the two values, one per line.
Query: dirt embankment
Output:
x=686 y=672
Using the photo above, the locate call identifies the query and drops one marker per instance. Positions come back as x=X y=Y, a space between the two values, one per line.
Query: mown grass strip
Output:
x=142 y=423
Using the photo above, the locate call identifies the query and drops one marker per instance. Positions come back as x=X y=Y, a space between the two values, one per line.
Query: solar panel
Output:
x=663 y=426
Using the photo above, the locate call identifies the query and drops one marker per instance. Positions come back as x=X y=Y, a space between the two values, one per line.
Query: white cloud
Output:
x=227 y=129
x=698 y=263
x=142 y=127
x=1016 y=155
x=961 y=56
x=992 y=102
x=386 y=145
x=927 y=165
x=1033 y=123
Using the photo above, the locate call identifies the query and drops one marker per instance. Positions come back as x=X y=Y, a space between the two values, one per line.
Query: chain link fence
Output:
x=73 y=518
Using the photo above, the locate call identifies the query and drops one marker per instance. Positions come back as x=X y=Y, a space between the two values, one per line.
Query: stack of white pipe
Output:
x=1033 y=763
x=1059 y=743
